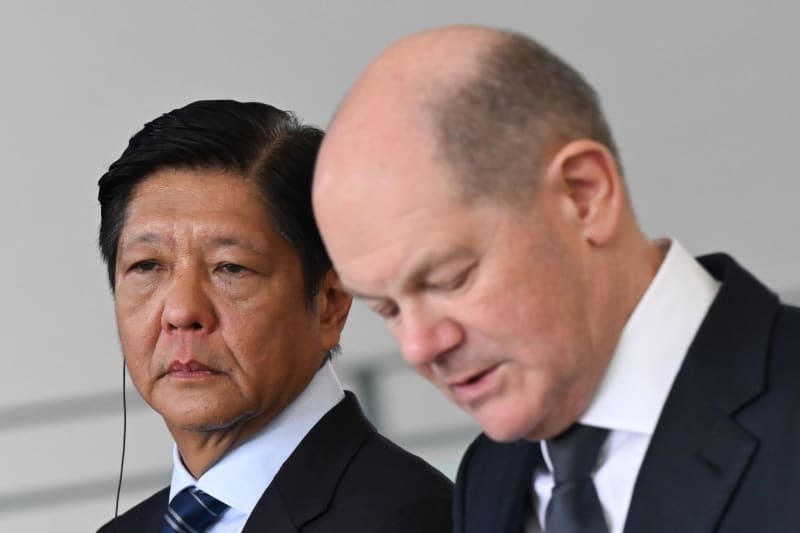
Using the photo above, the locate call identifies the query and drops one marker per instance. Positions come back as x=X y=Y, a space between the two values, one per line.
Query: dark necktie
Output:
x=574 y=506
x=192 y=511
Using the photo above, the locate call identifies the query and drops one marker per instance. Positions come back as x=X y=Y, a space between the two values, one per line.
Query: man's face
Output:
x=210 y=307
x=486 y=301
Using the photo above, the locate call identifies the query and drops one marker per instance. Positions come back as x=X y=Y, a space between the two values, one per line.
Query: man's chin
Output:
x=205 y=424
x=503 y=425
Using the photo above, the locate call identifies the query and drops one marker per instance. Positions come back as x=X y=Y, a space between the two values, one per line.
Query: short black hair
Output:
x=254 y=140
x=496 y=125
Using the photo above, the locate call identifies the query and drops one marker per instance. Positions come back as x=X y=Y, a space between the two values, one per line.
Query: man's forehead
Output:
x=357 y=209
x=167 y=233
x=131 y=236
x=373 y=142
x=165 y=224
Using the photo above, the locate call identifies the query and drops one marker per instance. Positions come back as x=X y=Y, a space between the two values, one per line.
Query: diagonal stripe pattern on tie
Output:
x=574 y=505
x=192 y=511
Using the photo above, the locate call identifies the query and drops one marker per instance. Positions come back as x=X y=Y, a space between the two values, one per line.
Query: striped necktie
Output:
x=192 y=511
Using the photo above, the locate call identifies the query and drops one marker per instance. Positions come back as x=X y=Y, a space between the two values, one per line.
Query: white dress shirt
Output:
x=240 y=478
x=636 y=384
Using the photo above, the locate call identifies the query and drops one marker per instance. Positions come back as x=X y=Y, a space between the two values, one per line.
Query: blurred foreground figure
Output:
x=470 y=191
x=228 y=313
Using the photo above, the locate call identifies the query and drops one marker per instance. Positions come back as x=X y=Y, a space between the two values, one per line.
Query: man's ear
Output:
x=333 y=304
x=590 y=177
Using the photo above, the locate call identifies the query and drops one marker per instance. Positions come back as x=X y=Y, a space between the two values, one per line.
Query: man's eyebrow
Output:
x=148 y=237
x=416 y=274
x=433 y=261
x=229 y=241
x=224 y=241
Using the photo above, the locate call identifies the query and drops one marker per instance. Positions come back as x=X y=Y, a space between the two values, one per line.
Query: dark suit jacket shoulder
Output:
x=343 y=476
x=725 y=454
x=145 y=516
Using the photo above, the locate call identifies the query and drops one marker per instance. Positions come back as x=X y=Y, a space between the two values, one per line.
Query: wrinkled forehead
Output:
x=194 y=198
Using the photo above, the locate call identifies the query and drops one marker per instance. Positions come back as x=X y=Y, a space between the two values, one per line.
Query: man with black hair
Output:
x=228 y=312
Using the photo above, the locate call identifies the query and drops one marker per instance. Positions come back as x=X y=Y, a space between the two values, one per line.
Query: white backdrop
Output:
x=702 y=97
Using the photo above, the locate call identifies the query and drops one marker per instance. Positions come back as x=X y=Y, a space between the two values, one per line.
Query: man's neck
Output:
x=200 y=450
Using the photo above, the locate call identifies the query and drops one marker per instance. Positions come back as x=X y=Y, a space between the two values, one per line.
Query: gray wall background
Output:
x=702 y=97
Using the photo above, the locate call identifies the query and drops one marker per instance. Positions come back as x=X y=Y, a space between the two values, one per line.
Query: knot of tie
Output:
x=192 y=511
x=574 y=505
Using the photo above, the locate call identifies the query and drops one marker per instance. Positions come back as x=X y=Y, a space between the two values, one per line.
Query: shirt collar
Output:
x=242 y=475
x=652 y=345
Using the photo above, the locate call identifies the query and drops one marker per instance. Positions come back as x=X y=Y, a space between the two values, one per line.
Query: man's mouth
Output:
x=189 y=369
x=474 y=386
x=473 y=378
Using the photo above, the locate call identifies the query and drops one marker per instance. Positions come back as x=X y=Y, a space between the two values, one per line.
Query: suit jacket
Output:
x=725 y=454
x=342 y=477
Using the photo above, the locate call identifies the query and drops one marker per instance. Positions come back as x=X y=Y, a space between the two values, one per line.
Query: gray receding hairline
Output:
x=496 y=126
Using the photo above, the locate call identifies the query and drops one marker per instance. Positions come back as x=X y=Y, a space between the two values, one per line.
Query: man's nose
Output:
x=425 y=335
x=187 y=305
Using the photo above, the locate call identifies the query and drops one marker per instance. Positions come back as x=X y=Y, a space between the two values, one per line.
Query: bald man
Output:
x=470 y=191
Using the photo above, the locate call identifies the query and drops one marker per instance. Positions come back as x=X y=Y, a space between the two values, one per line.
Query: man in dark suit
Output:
x=621 y=384
x=228 y=313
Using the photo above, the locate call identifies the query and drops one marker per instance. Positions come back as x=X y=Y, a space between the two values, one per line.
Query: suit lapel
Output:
x=698 y=451
x=497 y=480
x=306 y=482
x=519 y=481
x=270 y=513
x=155 y=517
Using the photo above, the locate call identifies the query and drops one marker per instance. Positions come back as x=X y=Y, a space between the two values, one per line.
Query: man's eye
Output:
x=453 y=283
x=232 y=268
x=144 y=266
